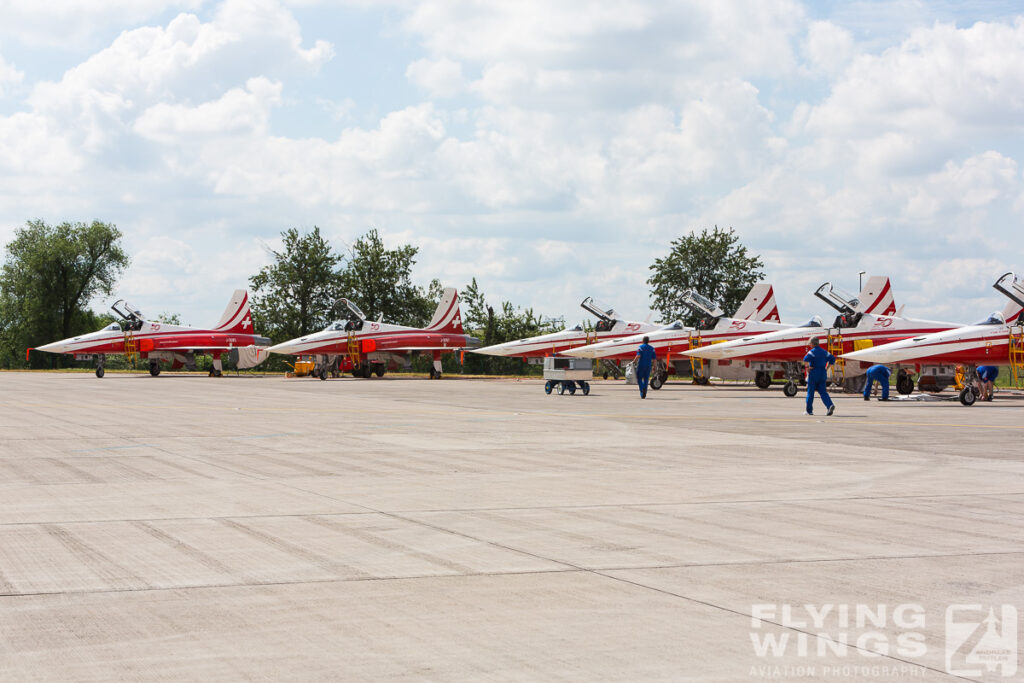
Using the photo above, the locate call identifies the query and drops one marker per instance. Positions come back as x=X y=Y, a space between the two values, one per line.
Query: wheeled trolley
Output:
x=564 y=374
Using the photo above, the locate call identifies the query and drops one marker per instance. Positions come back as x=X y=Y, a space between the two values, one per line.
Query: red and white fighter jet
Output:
x=757 y=314
x=608 y=326
x=997 y=340
x=158 y=342
x=871 y=318
x=368 y=347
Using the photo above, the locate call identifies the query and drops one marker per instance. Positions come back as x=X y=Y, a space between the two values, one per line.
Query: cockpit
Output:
x=112 y=327
x=354 y=317
x=578 y=328
x=815 y=321
x=701 y=304
x=996 y=318
x=847 y=320
x=677 y=325
x=605 y=314
x=133 y=318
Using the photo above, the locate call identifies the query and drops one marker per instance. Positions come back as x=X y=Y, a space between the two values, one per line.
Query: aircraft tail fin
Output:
x=876 y=297
x=447 y=317
x=759 y=305
x=237 y=317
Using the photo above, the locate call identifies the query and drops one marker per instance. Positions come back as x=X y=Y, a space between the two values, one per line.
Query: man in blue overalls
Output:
x=645 y=356
x=878 y=373
x=818 y=362
x=987 y=374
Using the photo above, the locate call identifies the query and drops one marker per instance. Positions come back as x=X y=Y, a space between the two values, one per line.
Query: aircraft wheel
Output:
x=656 y=381
x=968 y=397
x=789 y=389
x=762 y=379
x=379 y=371
x=99 y=372
x=154 y=369
x=701 y=380
x=548 y=386
x=605 y=375
x=433 y=373
x=586 y=388
x=904 y=383
x=323 y=373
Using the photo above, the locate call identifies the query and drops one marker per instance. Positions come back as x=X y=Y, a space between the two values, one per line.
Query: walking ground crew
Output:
x=881 y=374
x=645 y=356
x=818 y=362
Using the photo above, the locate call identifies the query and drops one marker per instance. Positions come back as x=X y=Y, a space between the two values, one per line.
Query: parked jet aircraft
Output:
x=608 y=326
x=756 y=315
x=369 y=347
x=158 y=342
x=997 y=340
x=862 y=321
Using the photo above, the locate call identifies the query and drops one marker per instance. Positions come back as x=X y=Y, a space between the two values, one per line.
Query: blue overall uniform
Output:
x=988 y=373
x=645 y=356
x=818 y=360
x=878 y=373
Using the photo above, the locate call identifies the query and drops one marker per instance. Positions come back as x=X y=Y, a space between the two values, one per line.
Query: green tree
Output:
x=294 y=295
x=713 y=263
x=491 y=326
x=50 y=275
x=379 y=280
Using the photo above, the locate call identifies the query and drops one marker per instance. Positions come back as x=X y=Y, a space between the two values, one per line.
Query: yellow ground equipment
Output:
x=834 y=345
x=131 y=347
x=1017 y=356
x=302 y=368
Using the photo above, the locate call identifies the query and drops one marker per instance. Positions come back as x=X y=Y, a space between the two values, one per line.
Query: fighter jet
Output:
x=757 y=314
x=157 y=342
x=870 y=318
x=608 y=326
x=366 y=347
x=996 y=340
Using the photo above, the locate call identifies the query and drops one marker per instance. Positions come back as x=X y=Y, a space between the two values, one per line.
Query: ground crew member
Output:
x=645 y=356
x=881 y=374
x=987 y=374
x=818 y=362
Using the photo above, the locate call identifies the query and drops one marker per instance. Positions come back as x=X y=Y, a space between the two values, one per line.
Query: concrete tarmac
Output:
x=184 y=527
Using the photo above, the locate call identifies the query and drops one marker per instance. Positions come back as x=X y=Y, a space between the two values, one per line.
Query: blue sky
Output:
x=552 y=150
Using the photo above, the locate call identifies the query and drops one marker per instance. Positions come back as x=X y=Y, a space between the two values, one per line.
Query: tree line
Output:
x=52 y=273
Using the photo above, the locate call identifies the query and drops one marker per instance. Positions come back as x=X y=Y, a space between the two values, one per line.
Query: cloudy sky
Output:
x=551 y=149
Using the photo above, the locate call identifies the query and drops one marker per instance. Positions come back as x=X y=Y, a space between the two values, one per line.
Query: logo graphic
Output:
x=374 y=326
x=978 y=638
x=632 y=327
x=883 y=322
x=738 y=325
x=156 y=327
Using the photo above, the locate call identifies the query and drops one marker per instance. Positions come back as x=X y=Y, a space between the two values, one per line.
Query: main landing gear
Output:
x=101 y=360
x=154 y=368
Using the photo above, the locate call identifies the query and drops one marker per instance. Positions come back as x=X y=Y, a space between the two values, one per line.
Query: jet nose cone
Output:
x=496 y=350
x=284 y=348
x=55 y=347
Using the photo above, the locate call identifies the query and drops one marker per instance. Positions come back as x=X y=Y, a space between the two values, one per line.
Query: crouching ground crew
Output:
x=881 y=374
x=818 y=362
